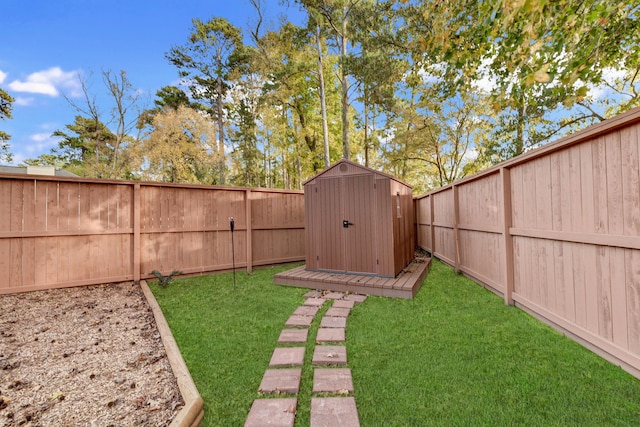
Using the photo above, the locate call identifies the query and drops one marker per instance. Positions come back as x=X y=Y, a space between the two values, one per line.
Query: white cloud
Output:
x=3 y=76
x=23 y=102
x=49 y=82
x=610 y=75
x=487 y=82
x=39 y=137
x=41 y=143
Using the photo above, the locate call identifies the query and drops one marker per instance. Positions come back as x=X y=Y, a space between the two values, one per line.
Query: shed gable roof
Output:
x=353 y=168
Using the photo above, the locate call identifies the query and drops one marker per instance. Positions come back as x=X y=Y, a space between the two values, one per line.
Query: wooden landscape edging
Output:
x=193 y=411
x=556 y=232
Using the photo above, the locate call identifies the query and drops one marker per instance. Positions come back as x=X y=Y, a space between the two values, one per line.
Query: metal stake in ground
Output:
x=232 y=224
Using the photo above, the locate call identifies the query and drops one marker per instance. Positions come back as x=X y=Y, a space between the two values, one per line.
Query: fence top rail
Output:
x=81 y=180
x=609 y=125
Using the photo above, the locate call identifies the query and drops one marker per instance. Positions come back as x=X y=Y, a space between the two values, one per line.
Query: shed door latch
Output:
x=346 y=223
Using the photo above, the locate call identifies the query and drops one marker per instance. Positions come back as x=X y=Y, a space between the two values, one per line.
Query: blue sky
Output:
x=45 y=45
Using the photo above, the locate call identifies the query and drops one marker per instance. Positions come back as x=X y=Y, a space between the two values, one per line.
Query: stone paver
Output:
x=333 y=322
x=313 y=294
x=330 y=335
x=334 y=295
x=343 y=304
x=316 y=302
x=337 y=312
x=306 y=310
x=355 y=298
x=288 y=356
x=272 y=412
x=334 y=411
x=281 y=381
x=332 y=380
x=329 y=355
x=329 y=411
x=297 y=320
x=293 y=336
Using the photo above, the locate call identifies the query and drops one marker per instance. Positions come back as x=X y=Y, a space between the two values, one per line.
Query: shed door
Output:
x=351 y=249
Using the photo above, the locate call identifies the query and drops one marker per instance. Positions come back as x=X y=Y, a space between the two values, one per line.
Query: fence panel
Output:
x=557 y=231
x=58 y=232
x=63 y=233
x=277 y=227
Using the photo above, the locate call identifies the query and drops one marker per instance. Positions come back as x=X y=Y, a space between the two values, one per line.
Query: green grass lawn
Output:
x=454 y=355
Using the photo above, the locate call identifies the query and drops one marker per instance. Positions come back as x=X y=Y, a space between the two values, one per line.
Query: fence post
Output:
x=507 y=238
x=136 y=232
x=249 y=220
x=456 y=231
x=432 y=231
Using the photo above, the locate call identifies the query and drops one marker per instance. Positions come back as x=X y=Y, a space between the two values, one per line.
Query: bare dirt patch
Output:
x=83 y=356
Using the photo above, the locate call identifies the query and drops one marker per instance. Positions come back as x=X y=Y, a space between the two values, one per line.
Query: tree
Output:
x=83 y=149
x=6 y=108
x=166 y=97
x=336 y=14
x=98 y=145
x=110 y=158
x=539 y=55
x=180 y=147
x=208 y=58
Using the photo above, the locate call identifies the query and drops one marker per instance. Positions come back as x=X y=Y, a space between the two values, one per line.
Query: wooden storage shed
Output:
x=359 y=221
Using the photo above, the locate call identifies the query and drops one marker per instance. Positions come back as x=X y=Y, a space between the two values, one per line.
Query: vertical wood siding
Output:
x=380 y=238
x=58 y=232
x=561 y=224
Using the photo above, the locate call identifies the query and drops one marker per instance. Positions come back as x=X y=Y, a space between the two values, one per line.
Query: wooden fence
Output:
x=555 y=231
x=59 y=232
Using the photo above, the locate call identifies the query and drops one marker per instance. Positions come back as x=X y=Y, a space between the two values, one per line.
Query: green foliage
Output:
x=6 y=107
x=213 y=53
x=165 y=281
x=427 y=91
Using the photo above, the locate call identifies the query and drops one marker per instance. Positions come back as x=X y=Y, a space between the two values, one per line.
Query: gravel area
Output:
x=88 y=356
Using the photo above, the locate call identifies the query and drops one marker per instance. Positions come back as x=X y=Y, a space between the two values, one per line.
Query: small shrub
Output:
x=164 y=281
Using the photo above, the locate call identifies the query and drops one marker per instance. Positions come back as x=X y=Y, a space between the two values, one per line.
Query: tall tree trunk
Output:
x=323 y=101
x=345 y=90
x=220 y=132
x=299 y=170
x=366 y=128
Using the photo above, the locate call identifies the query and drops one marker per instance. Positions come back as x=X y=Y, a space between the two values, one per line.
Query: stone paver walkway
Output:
x=332 y=403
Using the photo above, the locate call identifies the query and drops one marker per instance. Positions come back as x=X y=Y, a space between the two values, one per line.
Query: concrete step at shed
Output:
x=355 y=298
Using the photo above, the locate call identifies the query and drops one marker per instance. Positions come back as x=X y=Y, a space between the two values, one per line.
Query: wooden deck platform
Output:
x=405 y=285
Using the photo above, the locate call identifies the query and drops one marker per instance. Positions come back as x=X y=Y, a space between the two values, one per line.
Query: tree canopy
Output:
x=6 y=107
x=430 y=91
